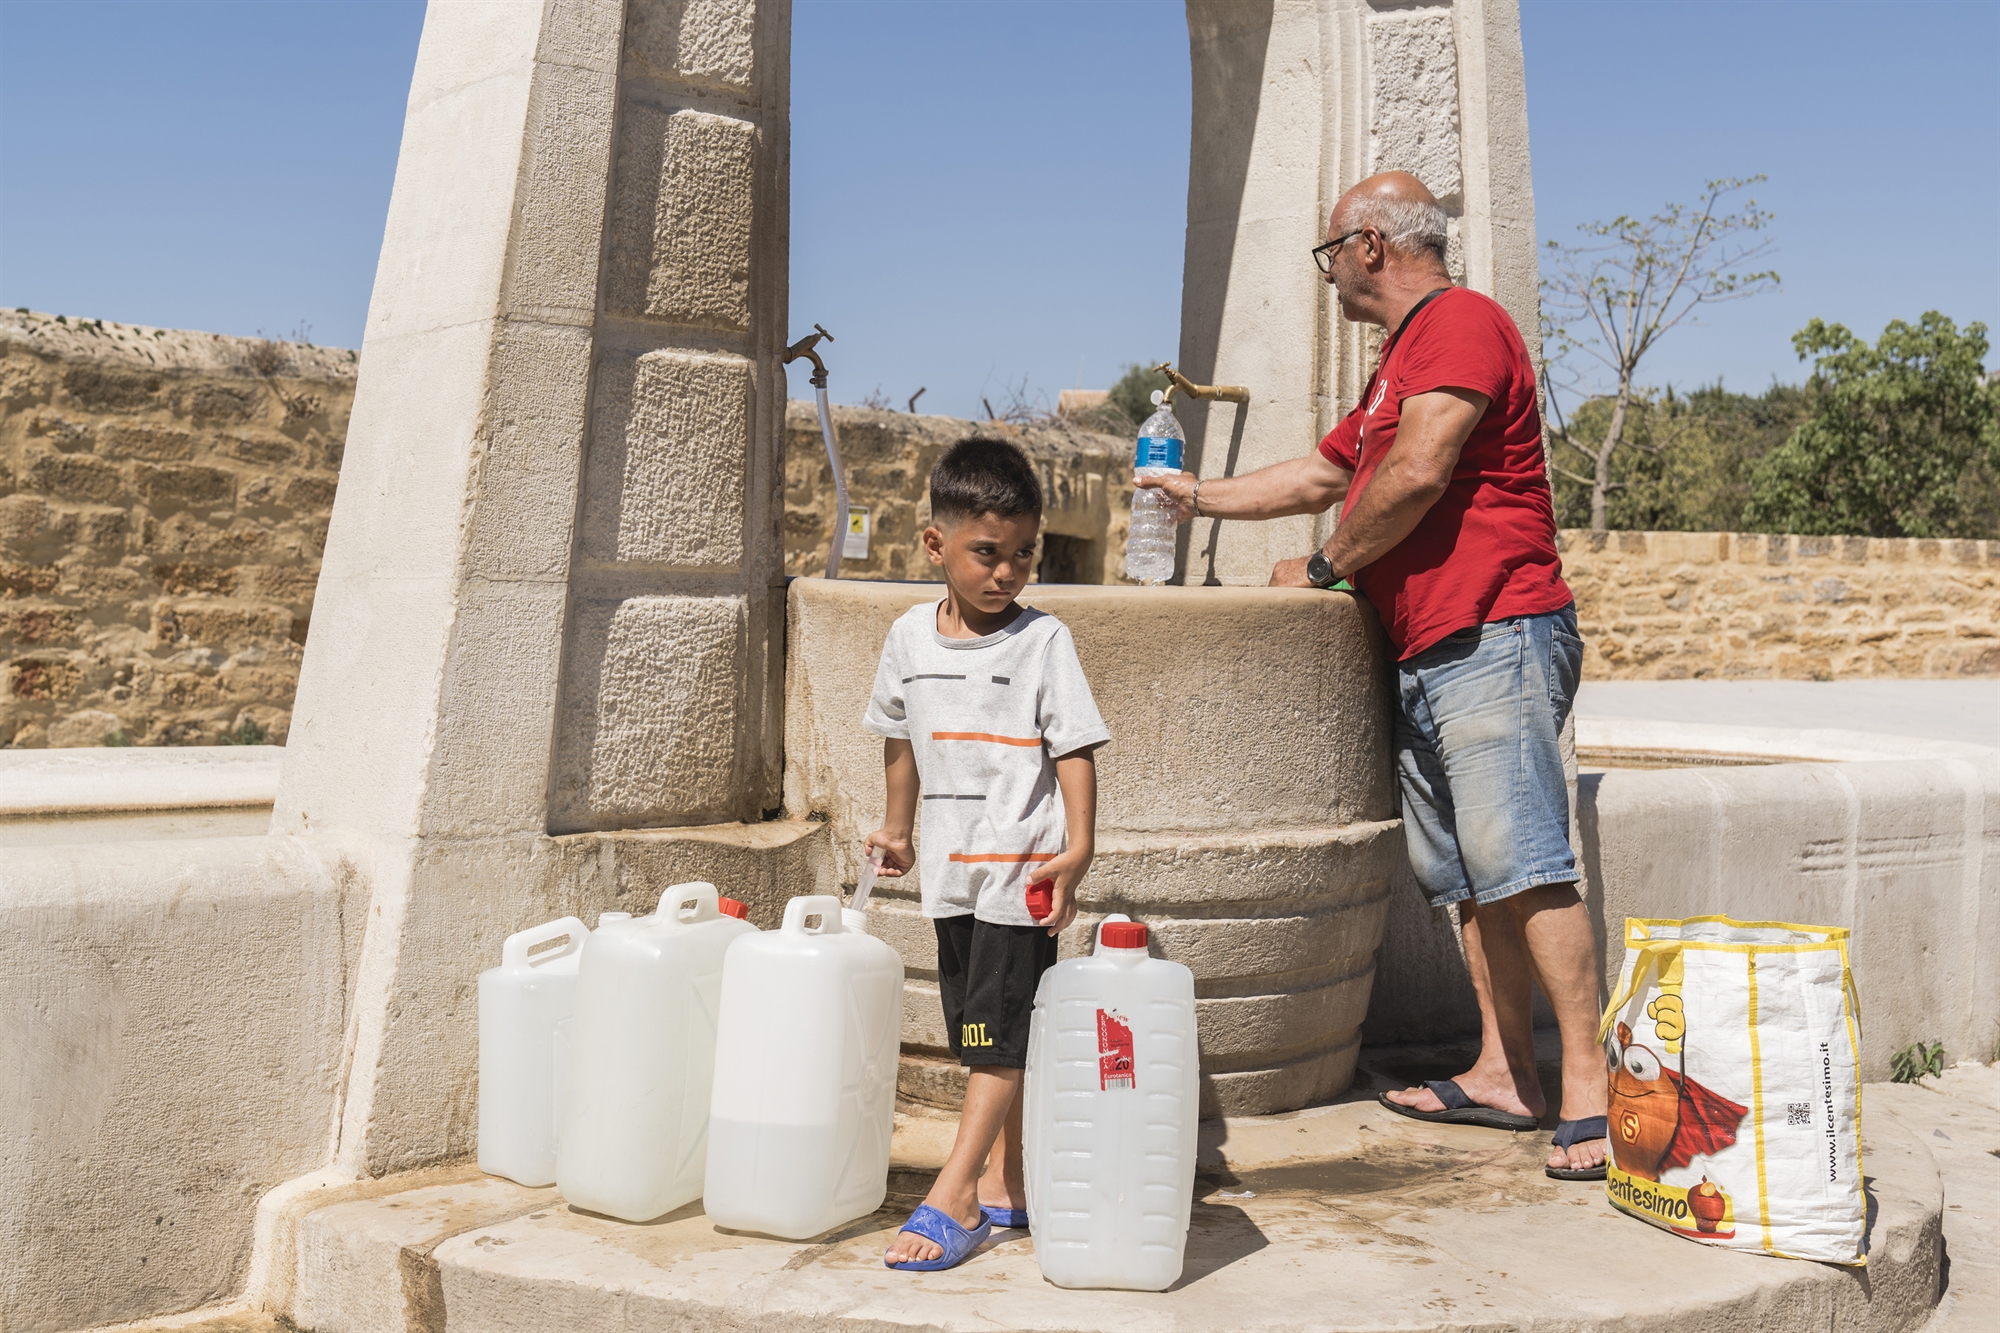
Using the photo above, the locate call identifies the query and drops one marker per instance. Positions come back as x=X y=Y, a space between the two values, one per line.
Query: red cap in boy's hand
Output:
x=1041 y=898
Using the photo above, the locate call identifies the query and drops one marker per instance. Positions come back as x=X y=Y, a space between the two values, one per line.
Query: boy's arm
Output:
x=899 y=768
x=1076 y=775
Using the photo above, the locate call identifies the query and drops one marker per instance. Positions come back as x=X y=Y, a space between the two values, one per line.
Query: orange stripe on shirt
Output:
x=1012 y=858
x=985 y=736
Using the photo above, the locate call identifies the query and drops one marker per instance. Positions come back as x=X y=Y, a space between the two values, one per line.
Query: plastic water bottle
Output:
x=805 y=1074
x=523 y=1003
x=1108 y=1134
x=642 y=1056
x=1149 y=548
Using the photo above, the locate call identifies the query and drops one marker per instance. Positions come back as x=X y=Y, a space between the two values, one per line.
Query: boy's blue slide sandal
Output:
x=940 y=1229
x=1014 y=1218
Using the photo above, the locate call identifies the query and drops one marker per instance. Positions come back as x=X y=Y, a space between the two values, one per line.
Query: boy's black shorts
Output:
x=987 y=976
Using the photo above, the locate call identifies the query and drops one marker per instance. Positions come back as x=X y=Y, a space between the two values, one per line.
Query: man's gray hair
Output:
x=1407 y=224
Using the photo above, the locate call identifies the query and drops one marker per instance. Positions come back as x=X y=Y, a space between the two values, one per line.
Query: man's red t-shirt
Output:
x=1487 y=549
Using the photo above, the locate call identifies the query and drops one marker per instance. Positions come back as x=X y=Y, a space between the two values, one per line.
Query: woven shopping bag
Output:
x=1734 y=1050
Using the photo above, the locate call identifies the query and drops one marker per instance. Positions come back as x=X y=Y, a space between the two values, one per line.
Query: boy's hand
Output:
x=1067 y=870
x=897 y=856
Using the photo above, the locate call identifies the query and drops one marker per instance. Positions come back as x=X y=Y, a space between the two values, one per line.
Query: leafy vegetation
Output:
x=1132 y=399
x=1917 y=1060
x=1901 y=439
x=1612 y=298
x=247 y=733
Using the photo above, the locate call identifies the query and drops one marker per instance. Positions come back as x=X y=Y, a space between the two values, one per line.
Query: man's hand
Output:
x=897 y=856
x=1291 y=573
x=1176 y=489
x=1067 y=871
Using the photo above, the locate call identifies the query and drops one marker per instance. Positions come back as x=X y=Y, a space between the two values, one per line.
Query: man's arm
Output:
x=1409 y=480
x=1309 y=485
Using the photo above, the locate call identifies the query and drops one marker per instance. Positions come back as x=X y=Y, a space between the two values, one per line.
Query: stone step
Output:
x=1339 y=1217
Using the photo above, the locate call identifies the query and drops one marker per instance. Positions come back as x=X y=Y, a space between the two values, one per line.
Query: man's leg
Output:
x=1503 y=1076
x=1555 y=925
x=992 y=1097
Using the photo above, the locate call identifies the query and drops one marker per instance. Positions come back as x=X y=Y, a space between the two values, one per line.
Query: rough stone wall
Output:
x=163 y=503
x=1674 y=605
x=888 y=456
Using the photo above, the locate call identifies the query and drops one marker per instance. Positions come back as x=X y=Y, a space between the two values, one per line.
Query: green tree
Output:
x=1132 y=397
x=1901 y=439
x=1613 y=298
x=1688 y=460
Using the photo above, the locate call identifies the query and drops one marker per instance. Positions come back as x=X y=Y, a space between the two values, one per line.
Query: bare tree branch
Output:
x=1612 y=298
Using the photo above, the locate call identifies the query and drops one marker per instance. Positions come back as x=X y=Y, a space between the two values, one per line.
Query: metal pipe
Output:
x=1227 y=393
x=804 y=348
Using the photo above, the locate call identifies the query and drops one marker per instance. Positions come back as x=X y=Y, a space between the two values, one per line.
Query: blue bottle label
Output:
x=1157 y=452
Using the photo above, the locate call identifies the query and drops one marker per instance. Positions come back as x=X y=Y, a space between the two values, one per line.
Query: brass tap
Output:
x=1226 y=393
x=804 y=348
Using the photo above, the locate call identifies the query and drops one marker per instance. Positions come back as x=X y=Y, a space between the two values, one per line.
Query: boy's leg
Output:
x=1005 y=1183
x=990 y=1097
x=987 y=976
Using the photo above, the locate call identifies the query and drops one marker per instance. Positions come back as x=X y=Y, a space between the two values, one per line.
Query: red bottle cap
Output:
x=1041 y=898
x=730 y=907
x=1123 y=935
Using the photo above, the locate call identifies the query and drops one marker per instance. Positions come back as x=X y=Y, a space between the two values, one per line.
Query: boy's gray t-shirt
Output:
x=987 y=718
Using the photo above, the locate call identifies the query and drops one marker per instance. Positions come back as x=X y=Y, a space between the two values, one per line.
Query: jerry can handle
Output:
x=705 y=897
x=514 y=953
x=823 y=905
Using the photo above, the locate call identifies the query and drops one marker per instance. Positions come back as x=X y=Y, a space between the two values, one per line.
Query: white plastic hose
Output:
x=839 y=485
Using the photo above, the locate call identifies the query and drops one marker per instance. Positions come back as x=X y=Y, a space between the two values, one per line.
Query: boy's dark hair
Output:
x=983 y=477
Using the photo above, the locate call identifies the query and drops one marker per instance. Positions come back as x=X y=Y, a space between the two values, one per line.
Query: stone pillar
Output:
x=1295 y=101
x=548 y=598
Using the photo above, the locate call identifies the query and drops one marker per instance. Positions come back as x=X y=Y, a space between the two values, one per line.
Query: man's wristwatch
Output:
x=1319 y=571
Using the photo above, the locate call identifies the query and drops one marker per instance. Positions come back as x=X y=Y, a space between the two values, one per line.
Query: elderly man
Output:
x=1449 y=530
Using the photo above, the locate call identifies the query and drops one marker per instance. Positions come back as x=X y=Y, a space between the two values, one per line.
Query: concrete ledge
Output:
x=1617 y=742
x=50 y=783
x=173 y=1040
x=1369 y=1221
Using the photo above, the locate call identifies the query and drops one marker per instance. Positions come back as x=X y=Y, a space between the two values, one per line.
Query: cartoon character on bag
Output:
x=1661 y=1119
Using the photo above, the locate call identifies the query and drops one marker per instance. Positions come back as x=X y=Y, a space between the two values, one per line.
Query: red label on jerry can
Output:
x=1114 y=1050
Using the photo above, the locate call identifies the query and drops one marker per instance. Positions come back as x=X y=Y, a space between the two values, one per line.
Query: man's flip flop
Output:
x=1570 y=1132
x=942 y=1230
x=1014 y=1218
x=1460 y=1109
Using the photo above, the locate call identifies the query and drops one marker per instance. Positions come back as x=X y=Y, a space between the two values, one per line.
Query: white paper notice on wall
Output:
x=855 y=546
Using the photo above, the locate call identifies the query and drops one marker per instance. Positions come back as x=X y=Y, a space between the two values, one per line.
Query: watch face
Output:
x=1319 y=569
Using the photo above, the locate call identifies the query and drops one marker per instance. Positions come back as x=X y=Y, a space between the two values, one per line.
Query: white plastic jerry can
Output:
x=1108 y=1133
x=521 y=1002
x=634 y=1136
x=805 y=1074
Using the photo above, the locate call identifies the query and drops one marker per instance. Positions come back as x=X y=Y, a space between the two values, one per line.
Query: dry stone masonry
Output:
x=163 y=503
x=1720 y=605
x=888 y=456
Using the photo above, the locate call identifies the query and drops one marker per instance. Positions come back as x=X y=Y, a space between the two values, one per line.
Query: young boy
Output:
x=985 y=709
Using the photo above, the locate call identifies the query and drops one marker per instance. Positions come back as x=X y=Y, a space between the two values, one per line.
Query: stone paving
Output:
x=1341 y=1217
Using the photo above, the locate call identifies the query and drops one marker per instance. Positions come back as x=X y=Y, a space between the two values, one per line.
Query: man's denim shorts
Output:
x=1480 y=718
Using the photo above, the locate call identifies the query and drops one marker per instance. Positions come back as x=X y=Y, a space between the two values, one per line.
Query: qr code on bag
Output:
x=1798 y=1113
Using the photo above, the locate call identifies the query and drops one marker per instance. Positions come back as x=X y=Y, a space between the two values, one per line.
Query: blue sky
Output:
x=989 y=198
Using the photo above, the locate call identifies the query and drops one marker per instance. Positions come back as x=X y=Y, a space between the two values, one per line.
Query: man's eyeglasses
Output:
x=1323 y=254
